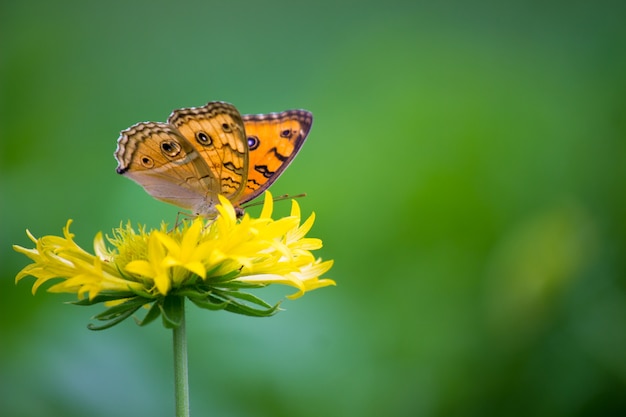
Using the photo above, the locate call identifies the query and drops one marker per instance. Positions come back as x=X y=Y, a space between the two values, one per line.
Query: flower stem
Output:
x=181 y=380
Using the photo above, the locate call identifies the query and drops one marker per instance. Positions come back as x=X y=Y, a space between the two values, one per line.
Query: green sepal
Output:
x=102 y=298
x=193 y=293
x=246 y=310
x=204 y=298
x=111 y=313
x=208 y=302
x=151 y=315
x=249 y=298
x=113 y=322
x=222 y=278
x=172 y=311
x=143 y=294
x=240 y=284
x=232 y=301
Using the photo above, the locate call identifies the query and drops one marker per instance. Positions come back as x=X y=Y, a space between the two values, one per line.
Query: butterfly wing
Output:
x=163 y=162
x=273 y=139
x=216 y=132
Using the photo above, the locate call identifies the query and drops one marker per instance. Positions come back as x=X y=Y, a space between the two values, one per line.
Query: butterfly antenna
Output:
x=279 y=198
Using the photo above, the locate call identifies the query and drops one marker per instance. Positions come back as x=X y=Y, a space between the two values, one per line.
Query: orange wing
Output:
x=216 y=132
x=164 y=163
x=273 y=141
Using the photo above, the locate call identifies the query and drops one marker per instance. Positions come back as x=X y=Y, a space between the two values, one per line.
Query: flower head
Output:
x=212 y=264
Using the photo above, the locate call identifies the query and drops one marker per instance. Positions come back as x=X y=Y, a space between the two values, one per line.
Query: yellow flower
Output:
x=209 y=262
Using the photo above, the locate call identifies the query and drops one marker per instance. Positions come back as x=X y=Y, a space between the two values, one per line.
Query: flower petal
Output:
x=213 y=259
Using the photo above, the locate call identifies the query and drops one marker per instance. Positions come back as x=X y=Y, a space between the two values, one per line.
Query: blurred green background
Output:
x=467 y=166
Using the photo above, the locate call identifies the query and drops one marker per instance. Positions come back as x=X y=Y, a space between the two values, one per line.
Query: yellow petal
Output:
x=140 y=267
x=226 y=210
x=268 y=206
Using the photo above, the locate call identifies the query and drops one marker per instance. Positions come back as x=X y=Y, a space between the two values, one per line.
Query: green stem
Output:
x=181 y=380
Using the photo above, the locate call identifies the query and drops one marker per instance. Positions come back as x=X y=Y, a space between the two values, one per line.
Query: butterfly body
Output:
x=205 y=151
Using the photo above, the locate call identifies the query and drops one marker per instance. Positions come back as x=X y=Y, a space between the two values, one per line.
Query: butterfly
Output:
x=205 y=151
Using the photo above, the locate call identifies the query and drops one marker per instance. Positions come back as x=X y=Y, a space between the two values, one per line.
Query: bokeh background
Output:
x=467 y=166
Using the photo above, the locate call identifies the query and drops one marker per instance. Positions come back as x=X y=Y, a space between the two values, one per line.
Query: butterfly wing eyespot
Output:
x=204 y=139
x=170 y=148
x=147 y=162
x=253 y=142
